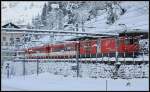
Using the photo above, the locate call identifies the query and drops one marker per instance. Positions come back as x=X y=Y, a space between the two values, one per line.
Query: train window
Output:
x=68 y=48
x=135 y=41
x=57 y=49
x=14 y=54
x=17 y=39
x=4 y=38
x=11 y=39
x=6 y=44
x=38 y=51
x=131 y=41
x=127 y=41
x=121 y=41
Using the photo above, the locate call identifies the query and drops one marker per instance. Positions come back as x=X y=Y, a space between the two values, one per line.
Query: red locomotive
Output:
x=87 y=49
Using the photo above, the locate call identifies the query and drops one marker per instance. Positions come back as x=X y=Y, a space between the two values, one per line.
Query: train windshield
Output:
x=131 y=41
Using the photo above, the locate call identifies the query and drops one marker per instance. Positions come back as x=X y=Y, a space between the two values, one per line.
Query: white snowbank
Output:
x=47 y=81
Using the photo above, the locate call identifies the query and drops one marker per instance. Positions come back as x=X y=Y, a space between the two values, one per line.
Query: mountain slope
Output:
x=136 y=17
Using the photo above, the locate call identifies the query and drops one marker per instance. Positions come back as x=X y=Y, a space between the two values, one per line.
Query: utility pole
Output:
x=117 y=63
x=117 y=45
x=97 y=51
x=97 y=46
x=24 y=65
x=77 y=56
x=24 y=56
x=83 y=30
x=37 y=61
x=37 y=67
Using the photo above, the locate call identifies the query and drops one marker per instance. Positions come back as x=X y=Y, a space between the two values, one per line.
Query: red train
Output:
x=87 y=48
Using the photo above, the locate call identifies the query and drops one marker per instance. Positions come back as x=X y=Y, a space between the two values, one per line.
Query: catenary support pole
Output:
x=37 y=67
x=24 y=58
x=117 y=45
x=77 y=57
x=117 y=63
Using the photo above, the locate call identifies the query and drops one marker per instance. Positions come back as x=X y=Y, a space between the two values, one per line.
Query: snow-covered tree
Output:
x=43 y=15
x=78 y=12
x=49 y=5
x=49 y=20
x=114 y=10
x=60 y=17
x=37 y=22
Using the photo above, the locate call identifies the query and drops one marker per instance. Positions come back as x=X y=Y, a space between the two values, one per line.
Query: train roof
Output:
x=81 y=38
x=144 y=35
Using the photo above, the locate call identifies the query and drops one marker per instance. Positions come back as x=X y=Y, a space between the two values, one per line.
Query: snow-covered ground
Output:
x=47 y=81
x=86 y=70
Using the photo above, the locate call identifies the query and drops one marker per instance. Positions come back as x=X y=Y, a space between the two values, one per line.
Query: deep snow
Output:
x=47 y=81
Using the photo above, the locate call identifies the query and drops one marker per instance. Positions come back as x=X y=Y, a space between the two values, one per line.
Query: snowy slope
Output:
x=20 y=12
x=136 y=17
x=47 y=82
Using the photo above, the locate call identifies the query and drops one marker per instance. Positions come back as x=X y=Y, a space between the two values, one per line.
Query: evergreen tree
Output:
x=43 y=15
x=37 y=22
x=111 y=17
x=60 y=17
x=62 y=6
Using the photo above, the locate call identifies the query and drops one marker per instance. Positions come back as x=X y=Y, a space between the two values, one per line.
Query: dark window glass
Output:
x=17 y=39
x=4 y=38
x=127 y=41
x=11 y=39
x=6 y=43
x=135 y=41
x=121 y=41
